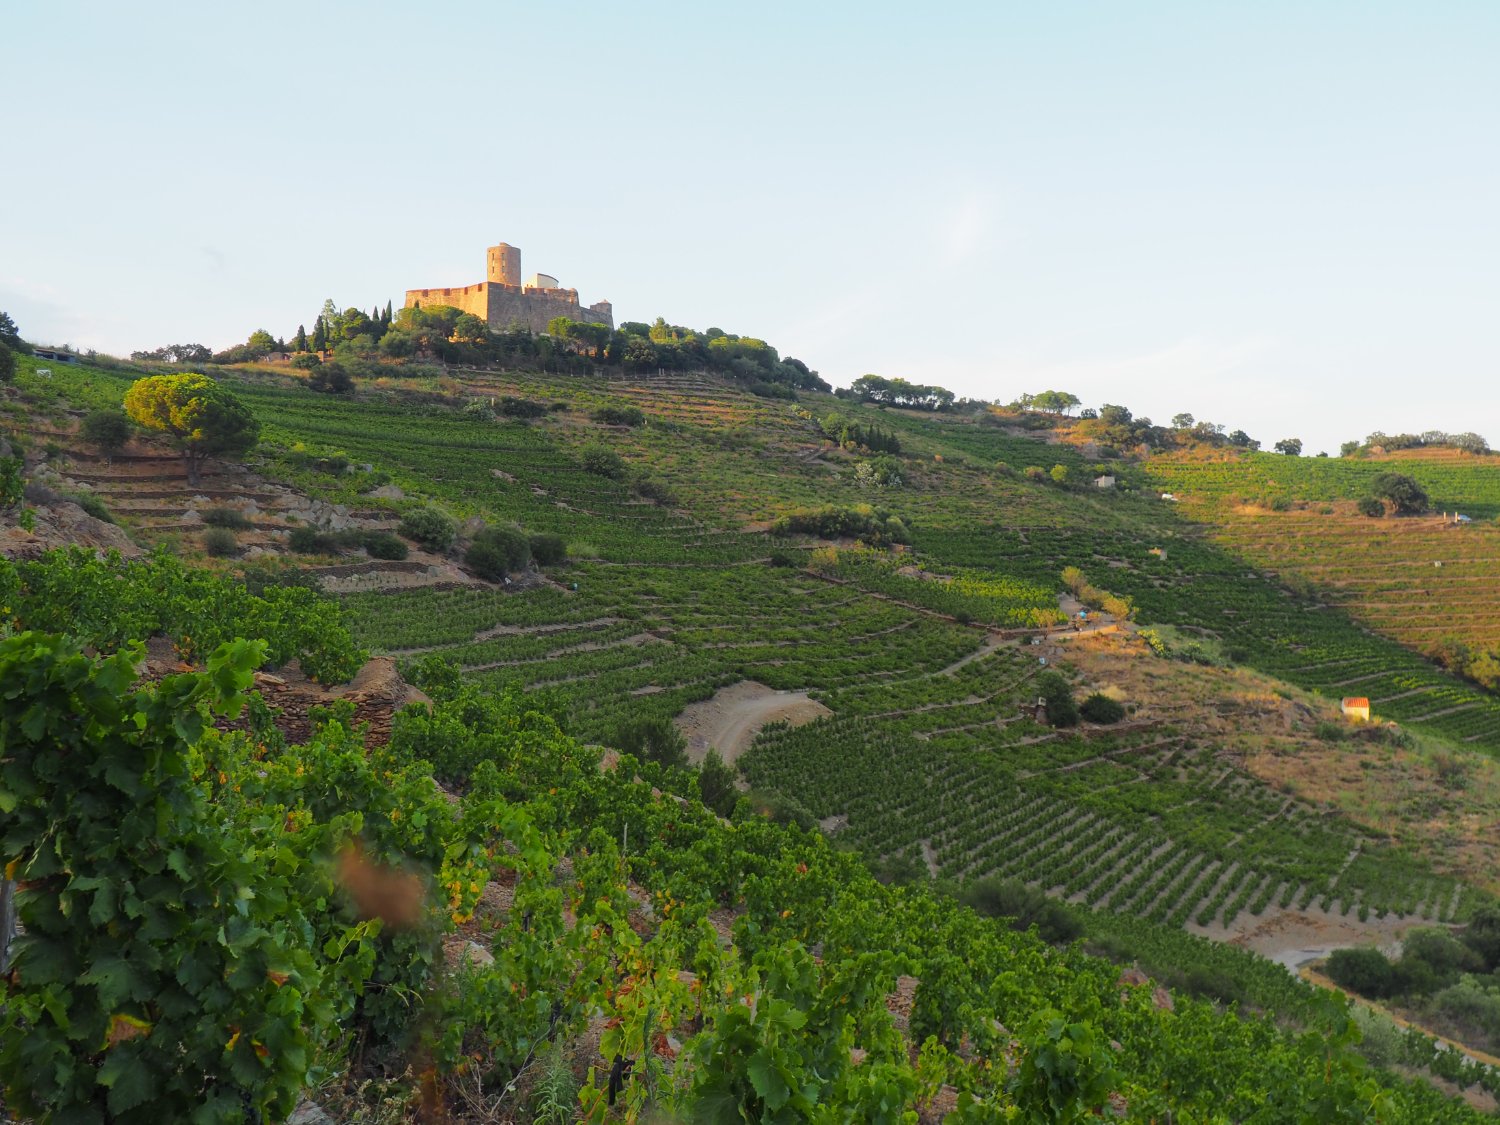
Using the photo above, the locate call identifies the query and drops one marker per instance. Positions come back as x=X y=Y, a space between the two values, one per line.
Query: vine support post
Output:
x=7 y=922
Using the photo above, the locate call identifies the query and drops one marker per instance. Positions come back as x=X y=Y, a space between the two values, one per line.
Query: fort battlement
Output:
x=503 y=301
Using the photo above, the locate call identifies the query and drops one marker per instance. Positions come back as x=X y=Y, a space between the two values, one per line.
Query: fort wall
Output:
x=501 y=302
x=467 y=298
x=535 y=307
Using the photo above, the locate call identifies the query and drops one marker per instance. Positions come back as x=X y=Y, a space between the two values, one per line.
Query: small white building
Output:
x=1104 y=482
x=1356 y=707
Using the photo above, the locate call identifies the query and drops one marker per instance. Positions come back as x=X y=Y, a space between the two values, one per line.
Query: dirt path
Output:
x=730 y=720
x=1295 y=938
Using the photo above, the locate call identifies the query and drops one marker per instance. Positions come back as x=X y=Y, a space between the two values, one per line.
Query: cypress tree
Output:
x=299 y=341
x=320 y=336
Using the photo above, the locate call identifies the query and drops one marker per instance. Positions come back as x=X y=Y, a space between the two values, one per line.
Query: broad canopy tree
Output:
x=202 y=418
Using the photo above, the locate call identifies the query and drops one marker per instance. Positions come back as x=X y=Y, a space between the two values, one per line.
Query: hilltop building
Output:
x=502 y=300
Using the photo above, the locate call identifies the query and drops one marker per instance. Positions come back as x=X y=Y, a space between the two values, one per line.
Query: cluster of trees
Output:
x=1454 y=980
x=898 y=392
x=1468 y=442
x=176 y=353
x=1114 y=426
x=875 y=526
x=1092 y=596
x=1479 y=665
x=361 y=332
x=851 y=435
x=498 y=552
x=1048 y=402
x=1395 y=492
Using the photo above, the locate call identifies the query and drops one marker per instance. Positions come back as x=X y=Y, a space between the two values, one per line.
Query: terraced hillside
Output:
x=926 y=655
x=1421 y=580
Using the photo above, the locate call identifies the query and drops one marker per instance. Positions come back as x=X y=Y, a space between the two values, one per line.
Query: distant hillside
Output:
x=717 y=539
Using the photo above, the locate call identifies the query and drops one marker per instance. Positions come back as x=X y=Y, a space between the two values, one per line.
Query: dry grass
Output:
x=1440 y=802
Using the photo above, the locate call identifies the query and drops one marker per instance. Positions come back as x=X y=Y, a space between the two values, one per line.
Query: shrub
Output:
x=649 y=488
x=306 y=361
x=873 y=525
x=513 y=407
x=1369 y=506
x=1330 y=731
x=619 y=415
x=1364 y=970
x=497 y=552
x=1100 y=708
x=547 y=548
x=331 y=378
x=653 y=740
x=781 y=559
x=231 y=518
x=311 y=541
x=106 y=430
x=93 y=506
x=781 y=808
x=1062 y=711
x=1405 y=494
x=383 y=545
x=1059 y=474
x=1023 y=907
x=7 y=364
x=716 y=784
x=220 y=542
x=431 y=528
x=603 y=462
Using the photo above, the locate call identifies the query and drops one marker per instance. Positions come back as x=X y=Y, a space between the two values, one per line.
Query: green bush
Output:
x=430 y=528
x=619 y=415
x=497 y=552
x=781 y=808
x=649 y=488
x=513 y=407
x=1100 y=708
x=331 y=378
x=653 y=740
x=311 y=541
x=716 y=784
x=383 y=545
x=1364 y=970
x=1023 y=907
x=220 y=542
x=106 y=430
x=93 y=506
x=603 y=462
x=232 y=518
x=1062 y=711
x=547 y=548
x=306 y=361
x=1369 y=506
x=860 y=521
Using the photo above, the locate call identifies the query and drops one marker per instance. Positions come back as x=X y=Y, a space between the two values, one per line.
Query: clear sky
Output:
x=1282 y=216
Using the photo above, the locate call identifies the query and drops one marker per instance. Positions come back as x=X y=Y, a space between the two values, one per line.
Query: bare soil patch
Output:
x=730 y=720
x=1298 y=937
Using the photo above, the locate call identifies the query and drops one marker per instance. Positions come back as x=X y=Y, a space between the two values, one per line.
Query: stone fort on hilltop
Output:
x=502 y=300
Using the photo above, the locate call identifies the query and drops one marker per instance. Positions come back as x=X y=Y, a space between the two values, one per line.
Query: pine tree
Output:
x=387 y=313
x=299 y=341
x=320 y=336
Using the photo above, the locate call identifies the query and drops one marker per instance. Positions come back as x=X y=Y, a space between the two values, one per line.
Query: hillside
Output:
x=713 y=560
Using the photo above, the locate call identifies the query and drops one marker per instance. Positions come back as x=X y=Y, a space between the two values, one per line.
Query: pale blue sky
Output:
x=1280 y=216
